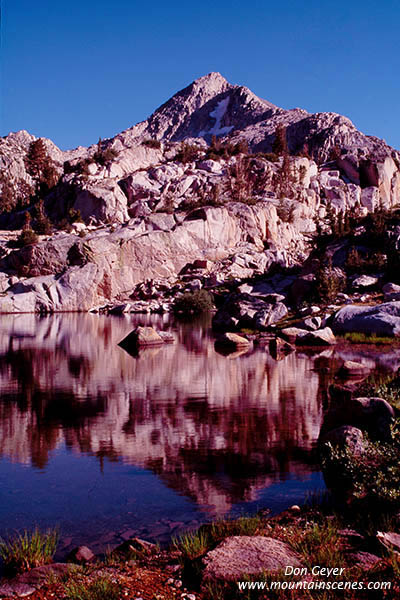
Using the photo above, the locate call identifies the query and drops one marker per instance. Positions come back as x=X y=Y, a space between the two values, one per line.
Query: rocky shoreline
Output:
x=309 y=543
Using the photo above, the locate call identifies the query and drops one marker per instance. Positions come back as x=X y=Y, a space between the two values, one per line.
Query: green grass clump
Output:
x=363 y=338
x=28 y=550
x=192 y=544
x=102 y=588
x=224 y=528
x=196 y=543
x=319 y=543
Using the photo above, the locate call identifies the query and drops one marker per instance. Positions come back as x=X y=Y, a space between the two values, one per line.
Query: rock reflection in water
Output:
x=215 y=429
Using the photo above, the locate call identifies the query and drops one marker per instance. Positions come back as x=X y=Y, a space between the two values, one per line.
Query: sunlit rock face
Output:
x=214 y=428
x=147 y=210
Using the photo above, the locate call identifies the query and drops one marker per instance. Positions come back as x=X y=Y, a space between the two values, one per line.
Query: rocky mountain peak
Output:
x=213 y=82
x=209 y=106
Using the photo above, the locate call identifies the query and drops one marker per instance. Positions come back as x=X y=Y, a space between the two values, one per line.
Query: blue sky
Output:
x=73 y=71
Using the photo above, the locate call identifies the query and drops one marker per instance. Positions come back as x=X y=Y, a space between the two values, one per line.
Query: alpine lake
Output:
x=106 y=445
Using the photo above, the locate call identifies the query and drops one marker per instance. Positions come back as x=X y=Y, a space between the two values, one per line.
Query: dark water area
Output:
x=106 y=445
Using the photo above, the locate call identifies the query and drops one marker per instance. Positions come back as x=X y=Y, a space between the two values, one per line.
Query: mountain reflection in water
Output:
x=205 y=433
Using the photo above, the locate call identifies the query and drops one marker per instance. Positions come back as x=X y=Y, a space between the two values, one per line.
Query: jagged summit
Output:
x=210 y=105
x=214 y=78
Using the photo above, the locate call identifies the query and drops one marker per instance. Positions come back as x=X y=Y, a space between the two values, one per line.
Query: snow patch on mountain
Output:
x=218 y=114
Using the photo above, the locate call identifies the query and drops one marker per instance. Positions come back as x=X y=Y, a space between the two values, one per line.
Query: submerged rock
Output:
x=233 y=341
x=166 y=337
x=135 y=545
x=81 y=555
x=141 y=337
x=351 y=368
x=279 y=348
x=320 y=337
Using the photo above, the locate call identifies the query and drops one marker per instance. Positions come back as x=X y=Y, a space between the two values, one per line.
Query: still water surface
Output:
x=108 y=445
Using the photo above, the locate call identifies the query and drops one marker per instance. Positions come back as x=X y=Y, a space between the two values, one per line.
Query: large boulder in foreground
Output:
x=346 y=438
x=373 y=415
x=239 y=555
x=380 y=320
x=141 y=337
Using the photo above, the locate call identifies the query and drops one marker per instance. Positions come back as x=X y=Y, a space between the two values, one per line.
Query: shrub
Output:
x=329 y=281
x=318 y=543
x=285 y=211
x=64 y=225
x=104 y=156
x=40 y=166
x=284 y=178
x=270 y=156
x=37 y=158
x=101 y=588
x=151 y=143
x=364 y=338
x=188 y=153
x=8 y=200
x=74 y=215
x=28 y=550
x=193 y=303
x=386 y=387
x=43 y=226
x=27 y=237
x=356 y=263
x=372 y=477
x=219 y=149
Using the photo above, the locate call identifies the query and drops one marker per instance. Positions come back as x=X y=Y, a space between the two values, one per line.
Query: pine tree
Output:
x=280 y=145
x=37 y=159
x=7 y=195
x=43 y=224
x=27 y=221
